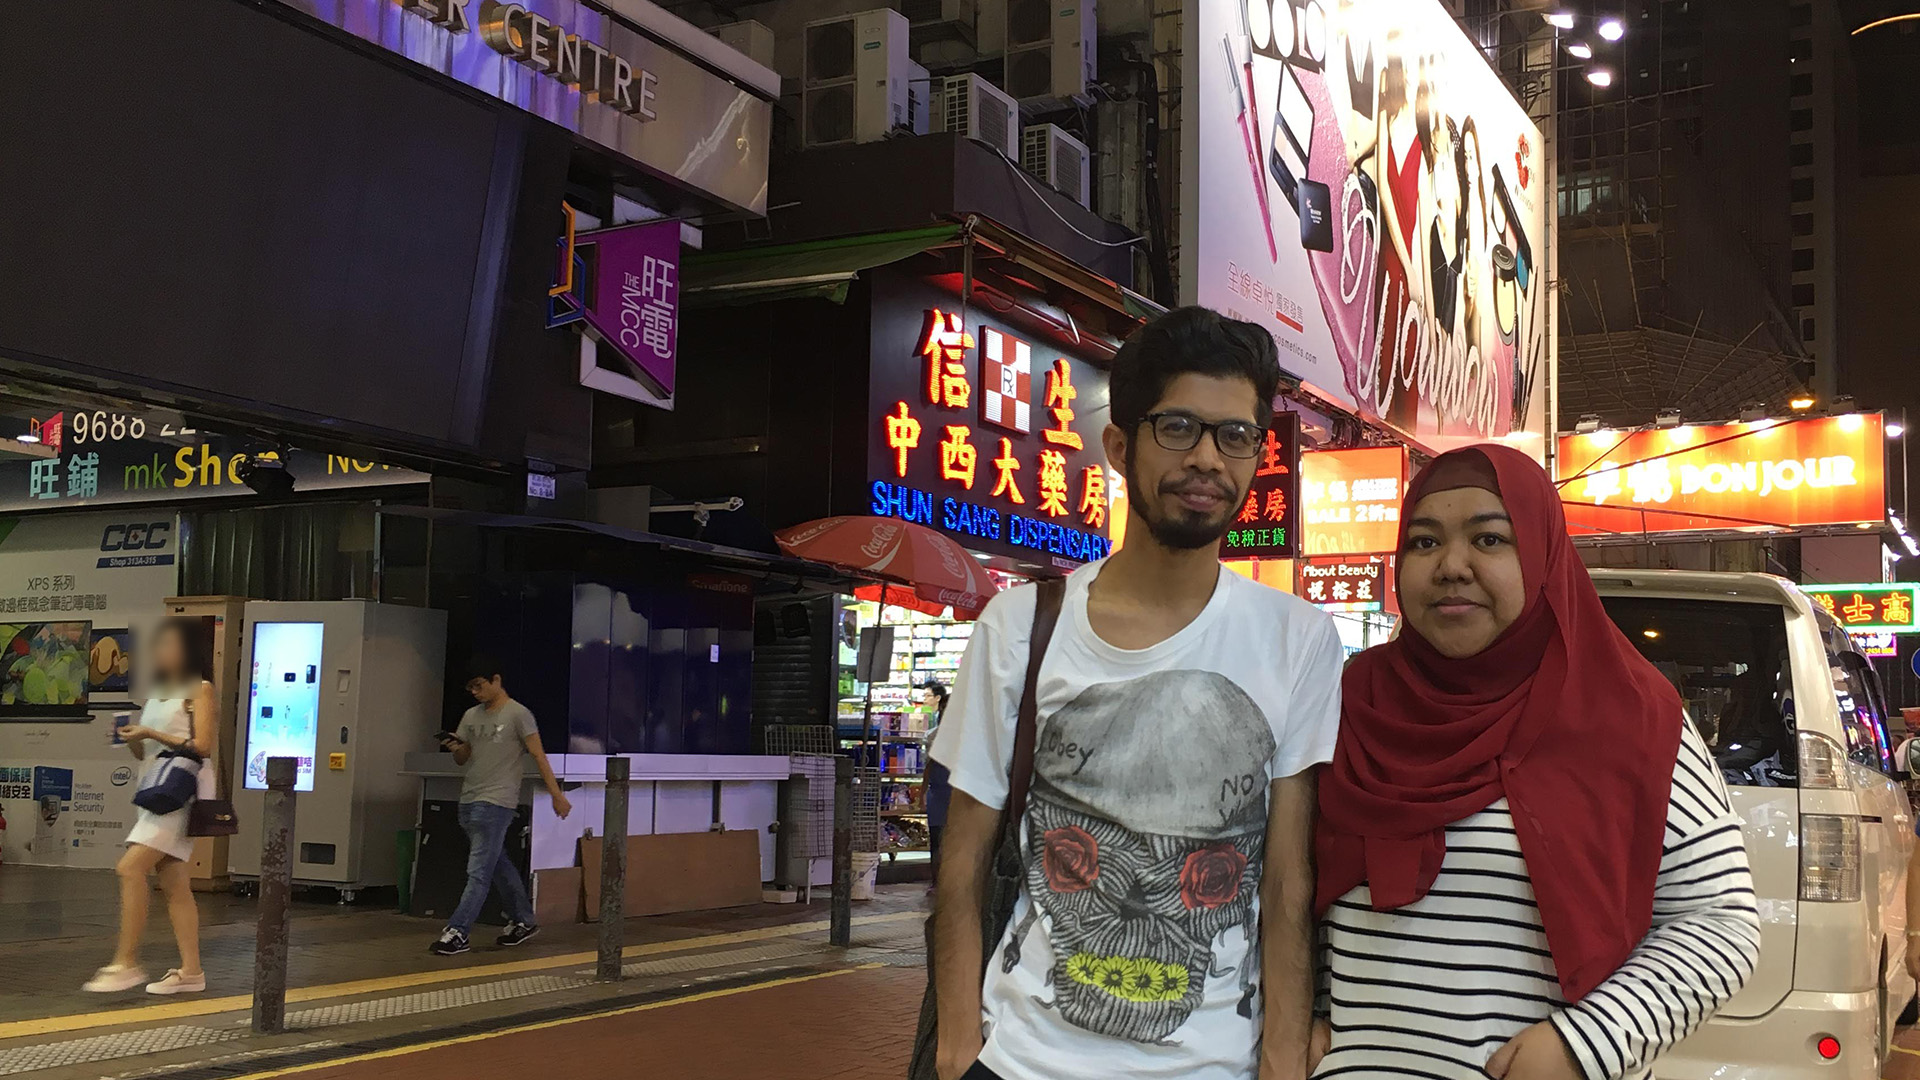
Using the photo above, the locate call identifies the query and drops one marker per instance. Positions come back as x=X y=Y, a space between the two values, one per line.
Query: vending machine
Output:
x=348 y=688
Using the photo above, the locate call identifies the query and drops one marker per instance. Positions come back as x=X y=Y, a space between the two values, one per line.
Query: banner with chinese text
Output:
x=1267 y=526
x=1352 y=500
x=1867 y=609
x=984 y=429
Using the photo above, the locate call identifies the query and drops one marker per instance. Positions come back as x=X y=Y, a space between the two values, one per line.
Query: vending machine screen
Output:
x=283 y=700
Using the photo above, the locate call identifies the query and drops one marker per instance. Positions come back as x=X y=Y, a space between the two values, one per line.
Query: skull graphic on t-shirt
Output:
x=1146 y=826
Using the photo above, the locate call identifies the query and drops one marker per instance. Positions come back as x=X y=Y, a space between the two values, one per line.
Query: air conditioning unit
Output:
x=970 y=105
x=1051 y=49
x=854 y=78
x=749 y=37
x=1059 y=160
x=919 y=100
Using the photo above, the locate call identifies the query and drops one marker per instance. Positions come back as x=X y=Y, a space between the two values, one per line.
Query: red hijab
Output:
x=1560 y=716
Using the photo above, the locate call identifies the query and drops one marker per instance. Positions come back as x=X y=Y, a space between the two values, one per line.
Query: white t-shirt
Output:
x=1133 y=948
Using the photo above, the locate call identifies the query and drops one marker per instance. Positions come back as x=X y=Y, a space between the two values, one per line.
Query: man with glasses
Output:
x=1164 y=924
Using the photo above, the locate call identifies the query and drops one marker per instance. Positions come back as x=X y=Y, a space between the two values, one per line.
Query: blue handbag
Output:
x=172 y=784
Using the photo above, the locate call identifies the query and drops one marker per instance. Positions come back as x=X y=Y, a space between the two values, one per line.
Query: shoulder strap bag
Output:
x=1005 y=876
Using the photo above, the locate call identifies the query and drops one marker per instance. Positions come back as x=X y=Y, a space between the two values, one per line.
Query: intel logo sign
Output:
x=122 y=776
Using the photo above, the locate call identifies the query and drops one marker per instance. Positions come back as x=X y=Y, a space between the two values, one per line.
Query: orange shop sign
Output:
x=1351 y=500
x=1773 y=474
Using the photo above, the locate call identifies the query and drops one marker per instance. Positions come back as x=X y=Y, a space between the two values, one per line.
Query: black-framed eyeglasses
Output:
x=1180 y=432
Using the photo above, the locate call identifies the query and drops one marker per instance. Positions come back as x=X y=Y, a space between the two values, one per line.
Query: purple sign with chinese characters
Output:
x=634 y=304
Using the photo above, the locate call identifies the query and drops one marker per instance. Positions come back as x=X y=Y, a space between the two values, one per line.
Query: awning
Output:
x=721 y=556
x=820 y=268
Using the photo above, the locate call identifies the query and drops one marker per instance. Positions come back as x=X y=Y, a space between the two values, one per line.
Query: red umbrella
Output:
x=939 y=570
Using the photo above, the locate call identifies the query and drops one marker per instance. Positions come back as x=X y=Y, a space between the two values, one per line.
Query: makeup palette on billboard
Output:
x=1383 y=226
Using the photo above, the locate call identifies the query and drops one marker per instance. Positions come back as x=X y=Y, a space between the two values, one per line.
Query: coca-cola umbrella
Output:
x=939 y=571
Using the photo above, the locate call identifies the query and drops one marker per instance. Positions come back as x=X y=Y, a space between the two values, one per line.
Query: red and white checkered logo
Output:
x=1006 y=382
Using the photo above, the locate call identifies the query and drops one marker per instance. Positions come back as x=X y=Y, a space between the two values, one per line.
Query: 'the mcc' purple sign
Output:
x=635 y=306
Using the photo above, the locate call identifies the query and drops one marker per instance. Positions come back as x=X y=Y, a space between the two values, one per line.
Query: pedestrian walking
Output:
x=1529 y=866
x=179 y=718
x=1151 y=759
x=939 y=780
x=492 y=742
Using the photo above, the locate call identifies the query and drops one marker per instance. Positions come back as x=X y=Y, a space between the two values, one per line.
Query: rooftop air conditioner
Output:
x=749 y=37
x=1051 y=49
x=970 y=105
x=855 y=78
x=919 y=100
x=1059 y=160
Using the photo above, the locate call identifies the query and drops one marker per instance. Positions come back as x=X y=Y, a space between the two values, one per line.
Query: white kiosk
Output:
x=349 y=687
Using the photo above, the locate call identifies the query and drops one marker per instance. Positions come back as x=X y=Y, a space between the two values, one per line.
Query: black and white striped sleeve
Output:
x=1705 y=940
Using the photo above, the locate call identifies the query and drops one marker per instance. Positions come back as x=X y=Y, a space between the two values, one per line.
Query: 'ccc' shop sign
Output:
x=984 y=430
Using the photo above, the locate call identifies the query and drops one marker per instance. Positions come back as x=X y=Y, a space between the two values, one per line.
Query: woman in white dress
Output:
x=180 y=714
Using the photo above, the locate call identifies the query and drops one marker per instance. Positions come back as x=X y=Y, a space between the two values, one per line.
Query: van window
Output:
x=1860 y=713
x=1729 y=662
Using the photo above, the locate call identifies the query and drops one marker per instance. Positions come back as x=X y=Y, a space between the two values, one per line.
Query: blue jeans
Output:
x=488 y=867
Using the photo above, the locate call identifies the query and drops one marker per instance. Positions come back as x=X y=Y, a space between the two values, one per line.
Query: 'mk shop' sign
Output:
x=984 y=431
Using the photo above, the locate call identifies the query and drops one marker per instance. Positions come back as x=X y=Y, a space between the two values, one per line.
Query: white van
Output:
x=1796 y=720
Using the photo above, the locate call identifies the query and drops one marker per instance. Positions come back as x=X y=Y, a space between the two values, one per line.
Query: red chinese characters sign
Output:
x=984 y=429
x=1875 y=608
x=1267 y=524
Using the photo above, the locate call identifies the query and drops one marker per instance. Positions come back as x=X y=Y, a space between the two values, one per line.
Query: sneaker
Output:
x=114 y=979
x=517 y=933
x=176 y=983
x=452 y=943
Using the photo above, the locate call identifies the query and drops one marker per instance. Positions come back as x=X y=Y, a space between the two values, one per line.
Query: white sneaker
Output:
x=176 y=983
x=114 y=978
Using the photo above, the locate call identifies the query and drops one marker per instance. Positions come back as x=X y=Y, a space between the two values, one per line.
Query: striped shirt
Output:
x=1435 y=988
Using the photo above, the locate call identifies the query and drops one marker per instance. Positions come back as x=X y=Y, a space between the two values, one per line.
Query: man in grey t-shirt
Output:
x=492 y=738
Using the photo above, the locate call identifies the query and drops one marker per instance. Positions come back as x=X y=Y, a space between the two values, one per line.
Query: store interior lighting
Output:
x=1600 y=77
x=1611 y=29
x=1580 y=50
x=1561 y=19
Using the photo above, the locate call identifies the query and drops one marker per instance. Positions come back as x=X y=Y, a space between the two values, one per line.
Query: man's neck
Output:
x=498 y=703
x=1151 y=574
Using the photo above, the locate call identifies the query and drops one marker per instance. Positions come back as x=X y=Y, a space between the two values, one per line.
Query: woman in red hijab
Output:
x=1528 y=864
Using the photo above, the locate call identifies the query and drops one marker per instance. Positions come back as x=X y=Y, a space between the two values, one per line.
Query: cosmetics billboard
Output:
x=1357 y=180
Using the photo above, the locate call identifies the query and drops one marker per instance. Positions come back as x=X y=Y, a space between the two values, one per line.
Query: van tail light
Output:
x=1823 y=764
x=1829 y=858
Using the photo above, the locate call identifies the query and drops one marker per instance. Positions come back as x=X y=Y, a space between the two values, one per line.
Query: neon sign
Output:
x=1874 y=608
x=985 y=522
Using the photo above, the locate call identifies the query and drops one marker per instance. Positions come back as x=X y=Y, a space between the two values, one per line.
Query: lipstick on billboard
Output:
x=1253 y=155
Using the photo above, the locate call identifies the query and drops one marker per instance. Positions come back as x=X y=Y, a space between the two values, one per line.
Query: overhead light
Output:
x=1580 y=50
x=31 y=438
x=1611 y=29
x=1589 y=424
x=1841 y=404
x=1666 y=418
x=1600 y=77
x=1561 y=19
x=1752 y=412
x=1868 y=525
x=1896 y=429
x=1801 y=402
x=1650 y=633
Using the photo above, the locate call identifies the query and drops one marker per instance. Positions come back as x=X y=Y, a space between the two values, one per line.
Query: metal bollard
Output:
x=276 y=888
x=613 y=872
x=840 y=930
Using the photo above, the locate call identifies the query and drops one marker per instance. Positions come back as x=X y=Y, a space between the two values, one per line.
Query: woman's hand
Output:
x=1318 y=1043
x=136 y=732
x=1538 y=1053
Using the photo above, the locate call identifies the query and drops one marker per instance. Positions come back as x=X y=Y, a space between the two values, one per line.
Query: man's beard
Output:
x=1184 y=530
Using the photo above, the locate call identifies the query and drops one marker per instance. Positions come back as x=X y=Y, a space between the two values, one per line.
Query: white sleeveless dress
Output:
x=167 y=833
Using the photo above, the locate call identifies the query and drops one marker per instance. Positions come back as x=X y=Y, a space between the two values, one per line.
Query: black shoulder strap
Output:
x=1046 y=612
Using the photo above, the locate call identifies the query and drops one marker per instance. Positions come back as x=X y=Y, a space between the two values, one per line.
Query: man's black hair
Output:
x=1191 y=341
x=482 y=667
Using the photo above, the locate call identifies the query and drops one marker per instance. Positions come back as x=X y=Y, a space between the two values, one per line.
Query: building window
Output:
x=1802 y=86
x=1803 y=189
x=1803 y=295
x=1800 y=15
x=1806 y=329
x=1803 y=224
x=1802 y=259
x=1800 y=153
x=1801 y=120
x=1799 y=50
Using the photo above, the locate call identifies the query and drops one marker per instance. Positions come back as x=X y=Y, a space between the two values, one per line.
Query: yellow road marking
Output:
x=1904 y=1050
x=182 y=1009
x=402 y=1051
